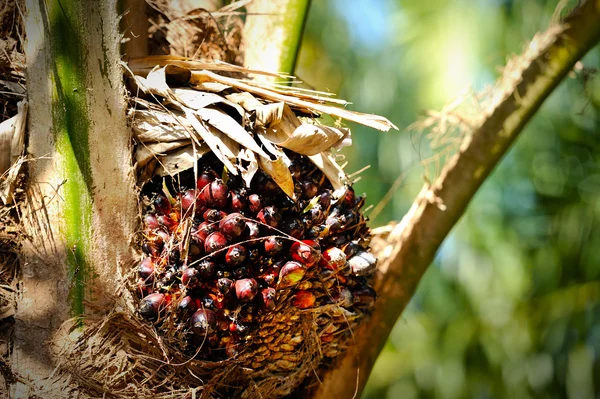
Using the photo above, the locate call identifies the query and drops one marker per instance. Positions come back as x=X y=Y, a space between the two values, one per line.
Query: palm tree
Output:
x=80 y=208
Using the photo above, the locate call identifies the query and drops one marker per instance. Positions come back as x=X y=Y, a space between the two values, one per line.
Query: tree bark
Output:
x=412 y=244
x=81 y=208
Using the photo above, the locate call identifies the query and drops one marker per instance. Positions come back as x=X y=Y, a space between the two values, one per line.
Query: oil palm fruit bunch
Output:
x=220 y=257
x=254 y=254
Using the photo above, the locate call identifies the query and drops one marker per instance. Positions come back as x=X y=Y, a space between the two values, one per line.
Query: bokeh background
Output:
x=511 y=307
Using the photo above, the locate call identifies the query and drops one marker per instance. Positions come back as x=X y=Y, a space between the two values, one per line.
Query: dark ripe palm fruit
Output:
x=162 y=204
x=294 y=227
x=187 y=305
x=325 y=199
x=150 y=249
x=204 y=230
x=252 y=233
x=290 y=274
x=351 y=249
x=215 y=194
x=316 y=231
x=333 y=258
x=205 y=179
x=363 y=263
x=167 y=222
x=270 y=216
x=253 y=255
x=268 y=298
x=152 y=305
x=146 y=268
x=188 y=200
x=224 y=285
x=142 y=287
x=246 y=289
x=150 y=222
x=214 y=242
x=254 y=203
x=296 y=170
x=364 y=296
x=304 y=299
x=240 y=272
x=189 y=277
x=236 y=255
x=203 y=322
x=349 y=197
x=307 y=252
x=238 y=201
x=314 y=215
x=333 y=223
x=206 y=269
x=273 y=245
x=309 y=189
x=213 y=215
x=233 y=226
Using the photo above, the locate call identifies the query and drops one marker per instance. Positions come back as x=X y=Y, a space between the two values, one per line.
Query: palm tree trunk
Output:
x=81 y=208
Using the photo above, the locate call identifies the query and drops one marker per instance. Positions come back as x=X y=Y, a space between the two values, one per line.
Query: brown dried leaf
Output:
x=249 y=171
x=309 y=139
x=330 y=168
x=195 y=99
x=245 y=99
x=160 y=126
x=180 y=160
x=278 y=169
x=285 y=128
x=156 y=83
x=269 y=114
x=212 y=138
x=231 y=128
x=146 y=152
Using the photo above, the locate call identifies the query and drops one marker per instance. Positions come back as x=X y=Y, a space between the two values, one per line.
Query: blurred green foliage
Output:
x=511 y=307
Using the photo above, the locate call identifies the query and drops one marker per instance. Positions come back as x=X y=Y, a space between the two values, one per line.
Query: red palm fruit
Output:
x=143 y=288
x=364 y=296
x=224 y=285
x=270 y=216
x=252 y=233
x=291 y=273
x=187 y=305
x=273 y=245
x=215 y=195
x=333 y=258
x=204 y=230
x=306 y=252
x=214 y=242
x=150 y=221
x=162 y=204
x=293 y=227
x=363 y=263
x=188 y=200
x=232 y=226
x=349 y=197
x=309 y=189
x=327 y=338
x=238 y=201
x=246 y=289
x=205 y=179
x=203 y=322
x=304 y=299
x=206 y=269
x=238 y=327
x=213 y=215
x=167 y=221
x=146 y=268
x=189 y=277
x=236 y=255
x=254 y=203
x=268 y=298
x=152 y=305
x=270 y=277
